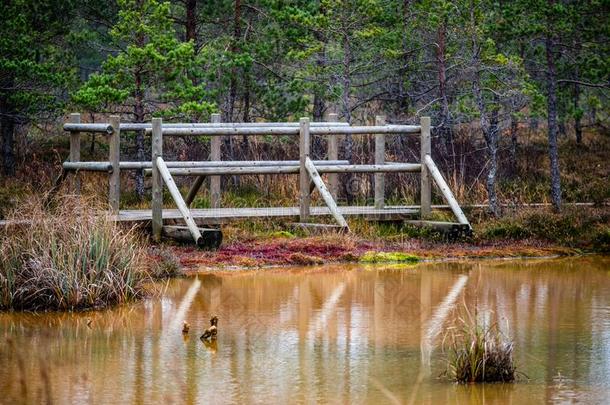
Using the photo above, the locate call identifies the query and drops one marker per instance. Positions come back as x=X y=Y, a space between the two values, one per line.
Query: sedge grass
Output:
x=68 y=257
x=479 y=353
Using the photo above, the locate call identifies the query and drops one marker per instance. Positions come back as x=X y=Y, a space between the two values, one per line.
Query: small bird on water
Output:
x=211 y=332
x=185 y=328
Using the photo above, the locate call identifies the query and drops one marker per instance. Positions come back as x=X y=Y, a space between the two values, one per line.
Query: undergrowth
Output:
x=68 y=256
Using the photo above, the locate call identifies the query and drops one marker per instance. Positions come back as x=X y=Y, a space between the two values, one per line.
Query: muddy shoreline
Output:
x=251 y=254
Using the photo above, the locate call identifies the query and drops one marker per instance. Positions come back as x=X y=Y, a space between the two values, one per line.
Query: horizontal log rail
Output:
x=318 y=128
x=321 y=168
x=134 y=165
x=145 y=126
x=278 y=131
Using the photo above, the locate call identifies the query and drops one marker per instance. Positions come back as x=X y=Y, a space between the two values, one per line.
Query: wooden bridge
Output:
x=309 y=171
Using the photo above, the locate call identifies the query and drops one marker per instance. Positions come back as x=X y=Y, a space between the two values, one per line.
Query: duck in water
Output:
x=211 y=332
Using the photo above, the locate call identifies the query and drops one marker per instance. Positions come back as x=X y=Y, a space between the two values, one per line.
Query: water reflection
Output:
x=334 y=334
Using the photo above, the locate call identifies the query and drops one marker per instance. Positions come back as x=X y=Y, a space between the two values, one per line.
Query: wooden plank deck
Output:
x=223 y=215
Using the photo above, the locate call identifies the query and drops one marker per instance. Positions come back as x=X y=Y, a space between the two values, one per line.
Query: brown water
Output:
x=341 y=334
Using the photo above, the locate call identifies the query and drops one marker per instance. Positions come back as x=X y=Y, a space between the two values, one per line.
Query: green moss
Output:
x=386 y=257
x=282 y=234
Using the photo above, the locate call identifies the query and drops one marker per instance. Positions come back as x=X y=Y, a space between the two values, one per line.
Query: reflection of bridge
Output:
x=309 y=171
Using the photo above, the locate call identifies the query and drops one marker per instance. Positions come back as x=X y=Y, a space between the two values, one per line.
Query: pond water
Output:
x=333 y=334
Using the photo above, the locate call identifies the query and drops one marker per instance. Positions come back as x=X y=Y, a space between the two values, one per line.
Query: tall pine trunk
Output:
x=349 y=184
x=139 y=117
x=489 y=124
x=577 y=114
x=444 y=129
x=553 y=128
x=7 y=127
x=191 y=21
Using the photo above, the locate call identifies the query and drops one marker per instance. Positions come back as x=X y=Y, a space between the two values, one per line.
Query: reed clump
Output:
x=68 y=255
x=479 y=354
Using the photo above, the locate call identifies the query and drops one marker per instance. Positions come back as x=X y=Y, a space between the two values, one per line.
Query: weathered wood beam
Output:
x=147 y=126
x=157 y=180
x=88 y=166
x=233 y=163
x=114 y=152
x=304 y=151
x=425 y=182
x=328 y=198
x=333 y=154
x=442 y=185
x=379 y=160
x=75 y=151
x=211 y=238
x=215 y=155
x=75 y=127
x=182 y=207
x=327 y=130
x=208 y=171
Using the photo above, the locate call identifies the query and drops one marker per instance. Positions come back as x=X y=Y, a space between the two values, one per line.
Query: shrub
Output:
x=68 y=257
x=165 y=264
x=480 y=354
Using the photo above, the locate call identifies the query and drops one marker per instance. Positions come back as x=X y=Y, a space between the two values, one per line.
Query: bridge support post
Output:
x=426 y=183
x=75 y=151
x=379 y=160
x=215 y=155
x=333 y=154
x=304 y=150
x=157 y=180
x=114 y=140
x=214 y=180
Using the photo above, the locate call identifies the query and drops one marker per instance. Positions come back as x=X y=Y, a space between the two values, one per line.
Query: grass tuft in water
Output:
x=479 y=354
x=68 y=257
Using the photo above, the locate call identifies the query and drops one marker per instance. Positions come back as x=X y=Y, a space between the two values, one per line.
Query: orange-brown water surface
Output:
x=332 y=334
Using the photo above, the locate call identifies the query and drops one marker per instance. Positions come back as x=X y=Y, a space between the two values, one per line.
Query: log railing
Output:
x=308 y=170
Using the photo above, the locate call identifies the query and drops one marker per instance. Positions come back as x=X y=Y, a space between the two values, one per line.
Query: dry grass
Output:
x=68 y=257
x=479 y=353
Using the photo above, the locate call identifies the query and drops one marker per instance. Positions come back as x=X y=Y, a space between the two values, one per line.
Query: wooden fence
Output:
x=309 y=171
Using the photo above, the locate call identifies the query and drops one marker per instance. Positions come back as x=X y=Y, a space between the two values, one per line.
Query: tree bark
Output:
x=7 y=122
x=235 y=48
x=444 y=129
x=139 y=117
x=514 y=144
x=552 y=122
x=349 y=184
x=191 y=21
x=577 y=113
x=7 y=127
x=489 y=126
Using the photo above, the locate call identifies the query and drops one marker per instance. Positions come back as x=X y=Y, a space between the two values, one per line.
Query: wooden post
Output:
x=304 y=150
x=426 y=184
x=114 y=140
x=215 y=155
x=157 y=180
x=333 y=154
x=215 y=180
x=75 y=151
x=379 y=160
